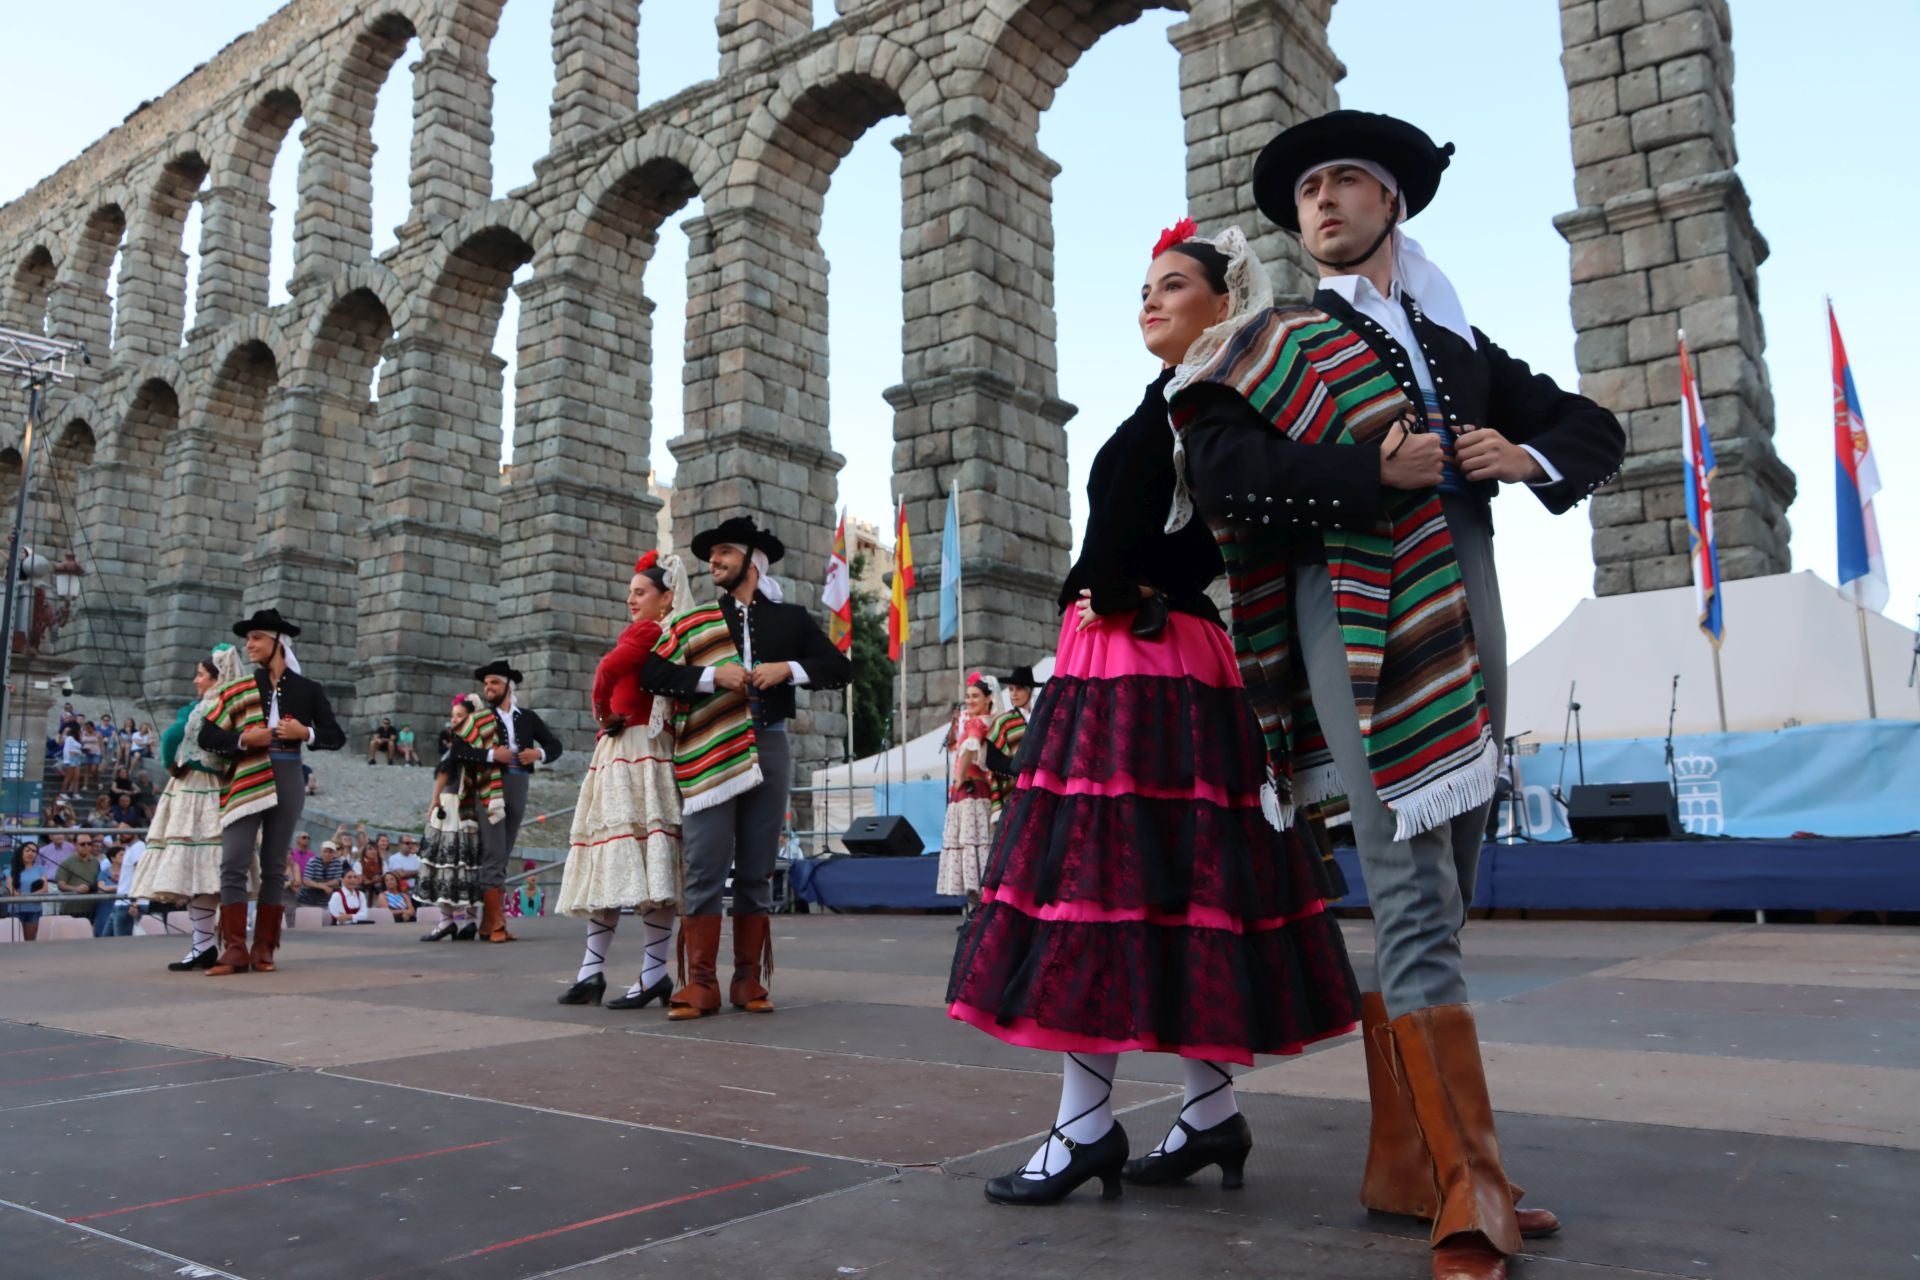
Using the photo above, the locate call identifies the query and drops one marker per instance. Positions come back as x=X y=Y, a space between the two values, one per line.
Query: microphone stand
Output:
x=1519 y=829
x=1673 y=706
x=1570 y=729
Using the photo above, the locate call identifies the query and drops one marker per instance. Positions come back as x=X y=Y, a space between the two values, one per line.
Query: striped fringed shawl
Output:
x=486 y=784
x=714 y=756
x=1397 y=588
x=248 y=788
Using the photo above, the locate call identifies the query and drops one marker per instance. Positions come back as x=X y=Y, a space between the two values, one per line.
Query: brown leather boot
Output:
x=266 y=937
x=232 y=930
x=1437 y=1052
x=752 y=963
x=493 y=916
x=1399 y=1176
x=699 y=994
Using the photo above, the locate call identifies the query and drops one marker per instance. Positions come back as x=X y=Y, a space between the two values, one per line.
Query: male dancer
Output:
x=1322 y=501
x=1005 y=733
x=503 y=746
x=733 y=762
x=263 y=721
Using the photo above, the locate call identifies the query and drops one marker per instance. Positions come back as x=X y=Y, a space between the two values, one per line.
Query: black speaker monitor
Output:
x=1623 y=811
x=883 y=835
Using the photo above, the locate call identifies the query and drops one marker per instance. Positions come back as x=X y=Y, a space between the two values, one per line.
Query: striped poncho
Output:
x=714 y=756
x=1009 y=728
x=1396 y=587
x=487 y=783
x=248 y=789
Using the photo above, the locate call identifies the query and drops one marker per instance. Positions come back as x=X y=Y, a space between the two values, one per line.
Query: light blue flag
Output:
x=950 y=568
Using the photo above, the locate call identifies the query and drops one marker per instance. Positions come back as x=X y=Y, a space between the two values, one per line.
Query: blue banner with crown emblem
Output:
x=1859 y=778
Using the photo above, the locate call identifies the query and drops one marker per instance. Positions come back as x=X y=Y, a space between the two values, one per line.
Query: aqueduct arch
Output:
x=271 y=467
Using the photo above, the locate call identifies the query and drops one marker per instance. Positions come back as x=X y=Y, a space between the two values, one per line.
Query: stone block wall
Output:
x=1663 y=240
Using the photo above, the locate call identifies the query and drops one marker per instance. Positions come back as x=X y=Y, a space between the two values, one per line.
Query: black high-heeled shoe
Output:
x=198 y=960
x=468 y=931
x=445 y=929
x=661 y=991
x=1225 y=1144
x=586 y=991
x=1103 y=1158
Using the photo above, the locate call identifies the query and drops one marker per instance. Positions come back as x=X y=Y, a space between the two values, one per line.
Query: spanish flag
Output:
x=902 y=583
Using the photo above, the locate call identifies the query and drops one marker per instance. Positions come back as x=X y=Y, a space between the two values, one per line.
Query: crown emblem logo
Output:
x=1694 y=768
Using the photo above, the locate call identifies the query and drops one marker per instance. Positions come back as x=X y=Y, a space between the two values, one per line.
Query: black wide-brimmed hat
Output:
x=741 y=531
x=265 y=620
x=1022 y=678
x=498 y=667
x=1402 y=149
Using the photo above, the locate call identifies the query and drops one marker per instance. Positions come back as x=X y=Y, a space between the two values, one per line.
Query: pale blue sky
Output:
x=1816 y=100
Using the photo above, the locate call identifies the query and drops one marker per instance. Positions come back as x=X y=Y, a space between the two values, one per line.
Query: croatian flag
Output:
x=1696 y=450
x=1863 y=569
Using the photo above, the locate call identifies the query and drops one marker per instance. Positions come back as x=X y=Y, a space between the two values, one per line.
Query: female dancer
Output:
x=182 y=861
x=1139 y=895
x=624 y=849
x=450 y=852
x=969 y=828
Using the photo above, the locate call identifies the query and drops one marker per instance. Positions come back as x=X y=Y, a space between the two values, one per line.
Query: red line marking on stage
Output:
x=628 y=1213
x=52 y=1048
x=110 y=1071
x=298 y=1177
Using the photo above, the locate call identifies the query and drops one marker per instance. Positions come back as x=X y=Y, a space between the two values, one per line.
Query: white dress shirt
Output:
x=1391 y=316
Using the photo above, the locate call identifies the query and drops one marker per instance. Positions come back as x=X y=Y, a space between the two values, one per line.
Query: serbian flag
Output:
x=1696 y=452
x=1863 y=568
x=902 y=583
x=837 y=595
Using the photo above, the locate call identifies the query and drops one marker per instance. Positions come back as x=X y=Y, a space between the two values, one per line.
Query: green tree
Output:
x=874 y=672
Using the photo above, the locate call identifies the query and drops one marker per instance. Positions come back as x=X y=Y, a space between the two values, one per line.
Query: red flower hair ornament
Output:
x=646 y=562
x=1180 y=232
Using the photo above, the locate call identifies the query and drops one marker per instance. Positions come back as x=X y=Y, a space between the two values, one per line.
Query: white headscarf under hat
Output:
x=769 y=585
x=1416 y=273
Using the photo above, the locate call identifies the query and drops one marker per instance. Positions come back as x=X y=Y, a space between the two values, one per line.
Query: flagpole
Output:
x=1719 y=689
x=1866 y=661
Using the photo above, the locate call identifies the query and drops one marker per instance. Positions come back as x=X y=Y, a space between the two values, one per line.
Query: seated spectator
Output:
x=348 y=905
x=397 y=900
x=325 y=874
x=127 y=732
x=102 y=813
x=386 y=739
x=372 y=865
x=79 y=874
x=405 y=861
x=407 y=752
x=140 y=748
x=24 y=875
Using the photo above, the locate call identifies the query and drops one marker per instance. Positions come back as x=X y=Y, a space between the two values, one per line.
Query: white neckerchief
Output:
x=506 y=718
x=768 y=585
x=293 y=665
x=1413 y=270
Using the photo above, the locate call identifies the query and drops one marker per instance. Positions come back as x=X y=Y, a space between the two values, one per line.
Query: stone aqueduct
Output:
x=245 y=462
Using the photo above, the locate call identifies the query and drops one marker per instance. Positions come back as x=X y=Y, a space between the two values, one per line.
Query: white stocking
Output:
x=1209 y=1100
x=1086 y=1111
x=600 y=927
x=658 y=925
x=200 y=913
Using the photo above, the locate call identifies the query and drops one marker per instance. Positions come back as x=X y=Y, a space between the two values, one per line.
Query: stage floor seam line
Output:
x=149 y=1088
x=201 y=1268
x=716 y=1229
x=613 y=1120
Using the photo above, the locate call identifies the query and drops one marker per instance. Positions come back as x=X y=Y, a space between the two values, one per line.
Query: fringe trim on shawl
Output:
x=731 y=789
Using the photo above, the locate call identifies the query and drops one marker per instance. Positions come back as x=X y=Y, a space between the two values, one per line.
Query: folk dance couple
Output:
x=690 y=778
x=478 y=805
x=981 y=778
x=1337 y=459
x=227 y=818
